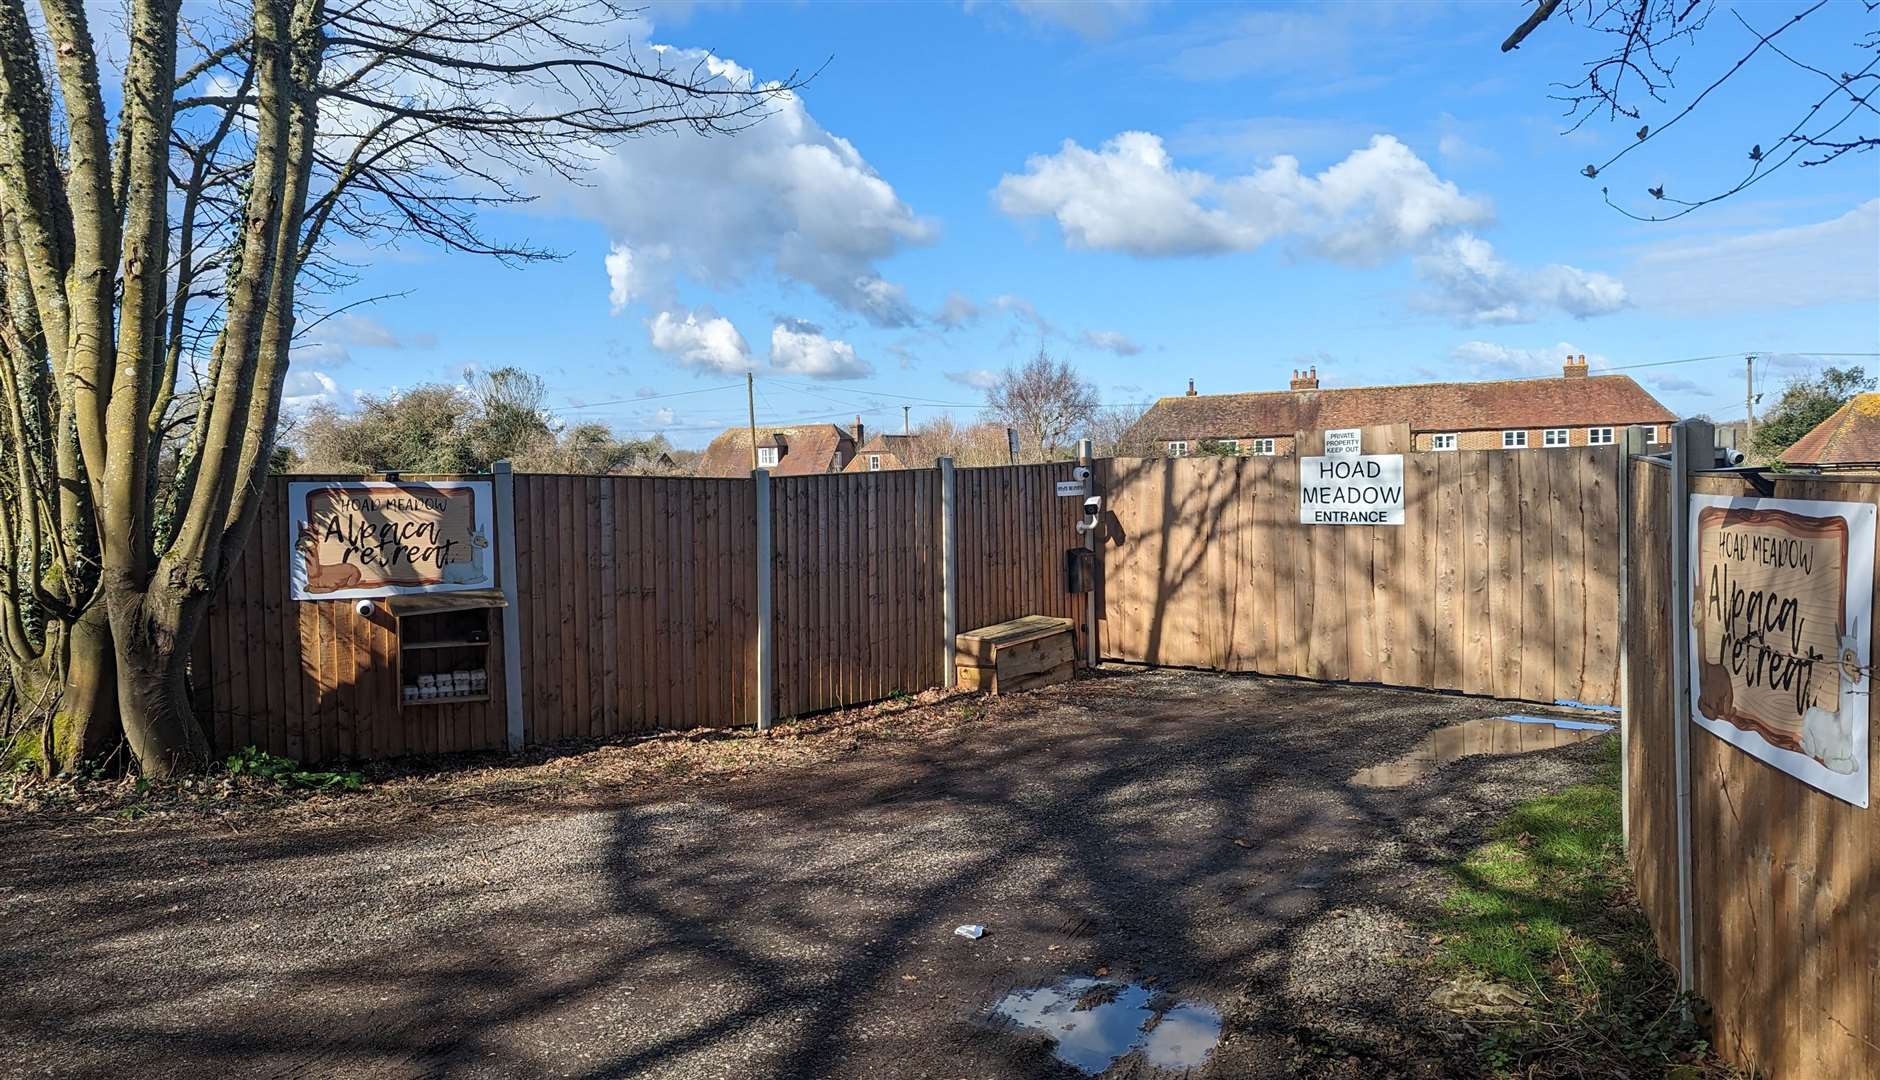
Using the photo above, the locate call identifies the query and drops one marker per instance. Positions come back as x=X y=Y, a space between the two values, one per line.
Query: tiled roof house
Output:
x=1576 y=409
x=1847 y=439
x=797 y=450
x=884 y=452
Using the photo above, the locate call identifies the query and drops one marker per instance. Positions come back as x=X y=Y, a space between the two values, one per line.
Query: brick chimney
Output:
x=1575 y=367
x=1306 y=380
x=858 y=432
x=1191 y=388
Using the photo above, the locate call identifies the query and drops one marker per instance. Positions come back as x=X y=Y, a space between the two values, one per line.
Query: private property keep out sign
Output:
x=1362 y=490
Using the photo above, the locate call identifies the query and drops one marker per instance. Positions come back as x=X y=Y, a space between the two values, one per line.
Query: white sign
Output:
x=1344 y=442
x=1363 y=490
x=1781 y=634
x=356 y=539
x=1069 y=487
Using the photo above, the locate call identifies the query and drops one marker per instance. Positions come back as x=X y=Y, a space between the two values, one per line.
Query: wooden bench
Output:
x=1028 y=652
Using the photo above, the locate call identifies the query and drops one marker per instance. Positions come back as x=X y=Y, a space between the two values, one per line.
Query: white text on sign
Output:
x=1362 y=490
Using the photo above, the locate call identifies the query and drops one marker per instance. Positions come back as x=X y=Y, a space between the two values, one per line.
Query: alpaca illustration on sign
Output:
x=470 y=571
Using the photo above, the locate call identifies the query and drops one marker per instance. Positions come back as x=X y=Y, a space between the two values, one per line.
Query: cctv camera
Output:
x=363 y=607
x=1732 y=457
x=1081 y=472
x=1093 y=505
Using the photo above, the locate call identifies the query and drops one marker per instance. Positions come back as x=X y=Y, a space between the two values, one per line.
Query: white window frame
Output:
x=1651 y=433
x=1514 y=439
x=1443 y=441
x=1178 y=448
x=1598 y=436
x=874 y=463
x=767 y=457
x=1231 y=444
x=1263 y=448
x=1556 y=436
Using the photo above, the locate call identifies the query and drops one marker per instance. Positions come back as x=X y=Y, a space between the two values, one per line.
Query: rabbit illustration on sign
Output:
x=470 y=571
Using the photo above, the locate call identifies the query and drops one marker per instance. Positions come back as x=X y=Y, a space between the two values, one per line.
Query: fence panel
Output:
x=1501 y=580
x=856 y=587
x=1782 y=875
x=1014 y=530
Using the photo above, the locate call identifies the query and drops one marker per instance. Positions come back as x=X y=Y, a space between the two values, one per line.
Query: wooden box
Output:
x=1028 y=652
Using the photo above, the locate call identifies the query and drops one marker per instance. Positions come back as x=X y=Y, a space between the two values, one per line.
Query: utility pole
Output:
x=1749 y=399
x=750 y=398
x=907 y=423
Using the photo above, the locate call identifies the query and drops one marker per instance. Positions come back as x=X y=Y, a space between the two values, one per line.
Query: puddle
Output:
x=1487 y=735
x=1097 y=1021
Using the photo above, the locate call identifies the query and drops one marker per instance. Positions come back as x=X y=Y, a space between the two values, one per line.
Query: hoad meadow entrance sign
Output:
x=1360 y=489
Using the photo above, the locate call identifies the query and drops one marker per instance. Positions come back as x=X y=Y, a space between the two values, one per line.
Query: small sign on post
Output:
x=1344 y=442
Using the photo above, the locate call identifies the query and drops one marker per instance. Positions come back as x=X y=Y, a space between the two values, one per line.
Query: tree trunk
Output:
x=151 y=639
x=85 y=725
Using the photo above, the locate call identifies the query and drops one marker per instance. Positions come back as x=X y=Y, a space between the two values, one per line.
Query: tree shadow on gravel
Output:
x=1191 y=831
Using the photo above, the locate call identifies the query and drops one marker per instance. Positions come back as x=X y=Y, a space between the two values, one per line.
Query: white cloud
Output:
x=977 y=378
x=352 y=328
x=956 y=312
x=664 y=417
x=1111 y=341
x=645 y=392
x=708 y=343
x=1465 y=279
x=800 y=348
x=783 y=195
x=307 y=387
x=1488 y=359
x=1130 y=196
x=1090 y=19
x=1829 y=262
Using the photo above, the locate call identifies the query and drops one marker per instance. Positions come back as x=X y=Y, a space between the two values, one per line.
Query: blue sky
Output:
x=1155 y=192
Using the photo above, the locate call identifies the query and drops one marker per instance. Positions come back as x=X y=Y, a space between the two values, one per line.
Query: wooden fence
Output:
x=315 y=680
x=1503 y=579
x=636 y=602
x=636 y=596
x=1784 y=947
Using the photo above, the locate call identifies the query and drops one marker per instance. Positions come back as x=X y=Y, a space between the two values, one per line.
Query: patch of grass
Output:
x=1545 y=906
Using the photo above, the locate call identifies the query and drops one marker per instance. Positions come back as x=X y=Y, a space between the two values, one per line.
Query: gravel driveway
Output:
x=1192 y=832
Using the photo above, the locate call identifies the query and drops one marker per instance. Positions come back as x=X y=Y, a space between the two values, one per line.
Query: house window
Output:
x=874 y=463
x=1263 y=447
x=1231 y=444
x=1178 y=448
x=1445 y=441
x=1651 y=433
x=1554 y=436
x=1514 y=440
x=1598 y=436
x=766 y=457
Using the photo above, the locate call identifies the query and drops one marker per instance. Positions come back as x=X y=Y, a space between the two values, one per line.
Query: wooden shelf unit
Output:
x=439 y=636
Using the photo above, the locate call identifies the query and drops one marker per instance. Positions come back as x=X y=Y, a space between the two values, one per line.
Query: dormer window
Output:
x=767 y=457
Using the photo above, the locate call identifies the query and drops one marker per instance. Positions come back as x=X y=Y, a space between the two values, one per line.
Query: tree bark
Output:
x=152 y=649
x=85 y=726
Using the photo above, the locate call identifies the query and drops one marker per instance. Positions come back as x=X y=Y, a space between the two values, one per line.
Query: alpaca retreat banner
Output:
x=1782 y=628
x=356 y=539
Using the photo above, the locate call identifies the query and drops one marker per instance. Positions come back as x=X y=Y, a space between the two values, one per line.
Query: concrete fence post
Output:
x=766 y=648
x=505 y=511
x=1631 y=443
x=949 y=567
x=1693 y=447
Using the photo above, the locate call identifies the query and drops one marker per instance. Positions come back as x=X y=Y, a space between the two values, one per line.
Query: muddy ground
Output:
x=735 y=906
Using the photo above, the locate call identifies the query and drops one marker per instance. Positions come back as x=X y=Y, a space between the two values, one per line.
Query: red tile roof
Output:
x=897 y=451
x=1851 y=436
x=1453 y=406
x=808 y=449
